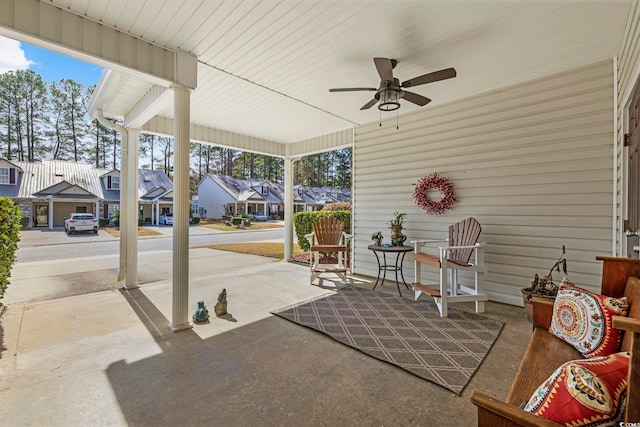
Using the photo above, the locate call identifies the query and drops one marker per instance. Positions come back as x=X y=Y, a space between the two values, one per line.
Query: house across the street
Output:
x=48 y=191
x=220 y=195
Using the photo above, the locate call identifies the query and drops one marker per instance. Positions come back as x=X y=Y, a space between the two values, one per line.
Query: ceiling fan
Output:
x=391 y=91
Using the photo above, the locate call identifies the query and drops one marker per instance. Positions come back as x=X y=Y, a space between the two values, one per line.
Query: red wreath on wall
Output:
x=434 y=182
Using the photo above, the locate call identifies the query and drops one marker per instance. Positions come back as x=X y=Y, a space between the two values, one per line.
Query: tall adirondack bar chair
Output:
x=462 y=252
x=328 y=238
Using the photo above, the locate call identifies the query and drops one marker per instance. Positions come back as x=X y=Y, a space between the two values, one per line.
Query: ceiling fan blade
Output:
x=385 y=69
x=416 y=99
x=369 y=104
x=352 y=89
x=447 y=73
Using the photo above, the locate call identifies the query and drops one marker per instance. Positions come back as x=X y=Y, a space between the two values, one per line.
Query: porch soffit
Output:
x=264 y=67
x=62 y=29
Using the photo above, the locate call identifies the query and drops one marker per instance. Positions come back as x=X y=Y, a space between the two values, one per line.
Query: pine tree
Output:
x=68 y=99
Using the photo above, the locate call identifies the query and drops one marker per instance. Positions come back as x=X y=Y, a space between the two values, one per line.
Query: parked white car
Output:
x=166 y=219
x=80 y=222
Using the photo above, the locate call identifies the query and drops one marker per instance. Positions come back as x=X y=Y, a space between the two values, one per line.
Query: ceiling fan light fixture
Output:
x=389 y=100
x=390 y=90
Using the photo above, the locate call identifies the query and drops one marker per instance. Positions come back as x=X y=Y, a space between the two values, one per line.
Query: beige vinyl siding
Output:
x=628 y=74
x=532 y=162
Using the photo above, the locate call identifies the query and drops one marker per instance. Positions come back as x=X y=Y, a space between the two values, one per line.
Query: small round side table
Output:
x=383 y=267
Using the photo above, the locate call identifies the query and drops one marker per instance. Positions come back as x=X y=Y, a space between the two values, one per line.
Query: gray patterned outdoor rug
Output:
x=406 y=333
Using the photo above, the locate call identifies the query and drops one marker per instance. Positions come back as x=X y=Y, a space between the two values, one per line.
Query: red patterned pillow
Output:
x=585 y=392
x=585 y=320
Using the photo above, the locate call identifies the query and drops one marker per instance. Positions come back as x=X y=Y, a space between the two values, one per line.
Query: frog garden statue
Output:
x=201 y=314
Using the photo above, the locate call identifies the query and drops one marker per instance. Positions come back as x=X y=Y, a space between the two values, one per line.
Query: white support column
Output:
x=181 y=114
x=131 y=223
x=98 y=210
x=288 y=208
x=124 y=186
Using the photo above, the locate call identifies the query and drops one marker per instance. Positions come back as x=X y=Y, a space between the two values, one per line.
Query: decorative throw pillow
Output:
x=585 y=320
x=584 y=392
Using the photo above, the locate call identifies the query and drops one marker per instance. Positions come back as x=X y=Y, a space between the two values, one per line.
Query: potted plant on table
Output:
x=377 y=238
x=543 y=287
x=397 y=238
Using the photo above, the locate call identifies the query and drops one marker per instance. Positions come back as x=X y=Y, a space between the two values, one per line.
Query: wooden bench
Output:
x=545 y=352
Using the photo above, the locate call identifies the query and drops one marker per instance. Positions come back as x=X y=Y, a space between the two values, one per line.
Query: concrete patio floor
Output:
x=108 y=358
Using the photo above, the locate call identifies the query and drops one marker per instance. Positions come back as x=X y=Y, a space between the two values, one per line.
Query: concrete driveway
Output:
x=57 y=236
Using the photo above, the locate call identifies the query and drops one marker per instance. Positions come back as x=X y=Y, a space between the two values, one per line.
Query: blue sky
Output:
x=51 y=66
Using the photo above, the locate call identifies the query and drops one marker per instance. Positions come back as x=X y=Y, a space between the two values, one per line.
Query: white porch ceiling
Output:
x=265 y=67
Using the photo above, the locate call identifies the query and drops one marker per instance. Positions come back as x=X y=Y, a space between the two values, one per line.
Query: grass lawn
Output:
x=268 y=249
x=115 y=232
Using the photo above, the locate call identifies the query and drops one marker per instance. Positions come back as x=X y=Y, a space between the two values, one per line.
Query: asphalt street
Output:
x=39 y=245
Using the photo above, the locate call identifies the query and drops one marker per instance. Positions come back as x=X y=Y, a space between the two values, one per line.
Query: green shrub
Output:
x=24 y=221
x=241 y=221
x=103 y=222
x=10 y=220
x=302 y=222
x=116 y=217
x=195 y=220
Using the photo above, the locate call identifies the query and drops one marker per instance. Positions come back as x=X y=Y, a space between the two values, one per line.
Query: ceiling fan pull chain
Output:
x=380 y=111
x=397 y=127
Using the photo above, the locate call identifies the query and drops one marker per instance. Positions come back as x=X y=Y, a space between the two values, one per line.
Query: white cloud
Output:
x=12 y=56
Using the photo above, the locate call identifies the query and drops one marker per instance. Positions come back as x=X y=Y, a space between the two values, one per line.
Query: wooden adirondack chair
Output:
x=456 y=256
x=328 y=237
